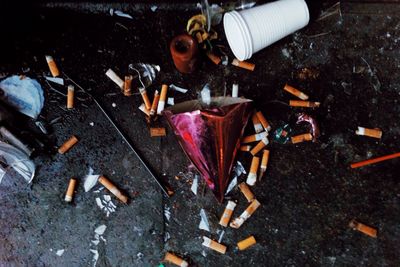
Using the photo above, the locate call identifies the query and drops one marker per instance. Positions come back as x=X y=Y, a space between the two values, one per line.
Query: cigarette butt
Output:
x=70 y=190
x=70 y=96
x=163 y=97
x=144 y=109
x=155 y=132
x=171 y=258
x=259 y=146
x=226 y=216
x=246 y=192
x=236 y=223
x=155 y=103
x=375 y=133
x=128 y=85
x=214 y=245
x=365 y=229
x=305 y=104
x=301 y=138
x=146 y=99
x=235 y=90
x=52 y=66
x=254 y=137
x=295 y=92
x=115 y=78
x=245 y=148
x=68 y=144
x=258 y=128
x=252 y=177
x=243 y=64
x=246 y=243
x=113 y=189
x=264 y=160
x=214 y=58
x=263 y=121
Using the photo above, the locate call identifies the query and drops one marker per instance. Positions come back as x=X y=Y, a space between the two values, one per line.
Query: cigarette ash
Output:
x=105 y=204
x=98 y=236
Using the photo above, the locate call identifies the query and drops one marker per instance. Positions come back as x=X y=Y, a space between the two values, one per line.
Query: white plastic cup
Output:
x=251 y=30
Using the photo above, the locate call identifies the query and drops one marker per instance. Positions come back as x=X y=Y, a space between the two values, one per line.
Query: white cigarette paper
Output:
x=115 y=78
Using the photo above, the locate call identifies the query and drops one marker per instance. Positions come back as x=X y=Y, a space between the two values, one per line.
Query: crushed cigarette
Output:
x=365 y=229
x=154 y=105
x=243 y=64
x=236 y=223
x=264 y=163
x=214 y=245
x=128 y=85
x=375 y=133
x=145 y=98
x=295 y=92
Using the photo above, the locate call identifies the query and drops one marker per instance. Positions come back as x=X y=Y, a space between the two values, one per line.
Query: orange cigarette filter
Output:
x=375 y=160
x=214 y=245
x=246 y=192
x=305 y=104
x=236 y=223
x=254 y=137
x=70 y=190
x=365 y=229
x=214 y=58
x=146 y=99
x=243 y=64
x=263 y=121
x=52 y=66
x=264 y=160
x=245 y=148
x=163 y=97
x=295 y=92
x=375 y=133
x=226 y=216
x=155 y=103
x=70 y=96
x=68 y=144
x=113 y=189
x=246 y=243
x=301 y=138
x=259 y=146
x=128 y=85
x=258 y=128
x=156 y=132
x=252 y=177
x=171 y=258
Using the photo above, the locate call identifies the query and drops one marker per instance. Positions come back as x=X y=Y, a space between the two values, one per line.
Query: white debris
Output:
x=60 y=252
x=90 y=180
x=56 y=80
x=114 y=105
x=105 y=204
x=171 y=101
x=178 y=89
x=204 y=225
x=231 y=185
x=195 y=184
x=238 y=170
x=140 y=255
x=100 y=229
x=221 y=236
x=91 y=124
x=167 y=237
x=167 y=213
x=204 y=253
x=120 y=14
x=99 y=204
x=153 y=8
x=206 y=95
x=95 y=256
x=95 y=242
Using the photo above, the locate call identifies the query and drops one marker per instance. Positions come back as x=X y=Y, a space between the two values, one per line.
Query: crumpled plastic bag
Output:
x=23 y=94
x=11 y=157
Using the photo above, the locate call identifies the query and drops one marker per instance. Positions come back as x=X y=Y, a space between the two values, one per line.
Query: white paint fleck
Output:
x=195 y=184
x=90 y=180
x=114 y=105
x=91 y=124
x=60 y=252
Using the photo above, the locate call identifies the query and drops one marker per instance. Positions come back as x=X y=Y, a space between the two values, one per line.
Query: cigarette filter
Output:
x=263 y=121
x=236 y=223
x=254 y=137
x=295 y=92
x=163 y=97
x=243 y=64
x=235 y=90
x=144 y=109
x=146 y=99
x=264 y=160
x=375 y=133
x=259 y=146
x=214 y=58
x=155 y=103
x=256 y=123
x=301 y=138
x=171 y=258
x=128 y=85
x=70 y=96
x=252 y=177
x=226 y=216
x=245 y=148
x=68 y=144
x=113 y=189
x=214 y=245
x=246 y=243
x=52 y=66
x=155 y=132
x=115 y=78
x=305 y=104
x=365 y=229
x=246 y=192
x=70 y=190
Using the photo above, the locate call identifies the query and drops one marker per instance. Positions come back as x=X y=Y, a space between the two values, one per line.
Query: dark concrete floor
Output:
x=309 y=193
